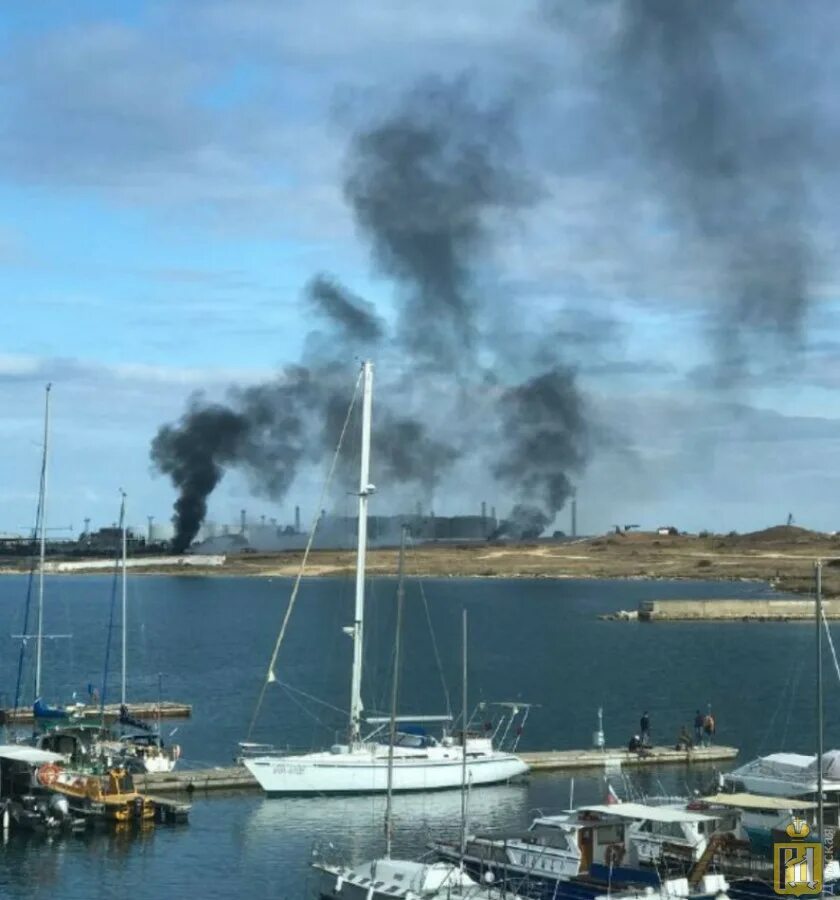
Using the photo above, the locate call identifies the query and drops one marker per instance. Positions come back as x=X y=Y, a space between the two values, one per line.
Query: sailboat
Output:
x=361 y=766
x=142 y=745
x=41 y=709
x=389 y=877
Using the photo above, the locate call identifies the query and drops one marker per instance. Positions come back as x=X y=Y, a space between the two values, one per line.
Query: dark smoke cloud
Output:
x=545 y=437
x=427 y=183
x=695 y=92
x=523 y=523
x=424 y=183
x=194 y=453
x=355 y=317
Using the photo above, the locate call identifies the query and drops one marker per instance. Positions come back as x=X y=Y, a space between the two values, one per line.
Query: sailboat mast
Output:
x=124 y=593
x=359 y=615
x=43 y=544
x=819 y=616
x=464 y=735
x=395 y=687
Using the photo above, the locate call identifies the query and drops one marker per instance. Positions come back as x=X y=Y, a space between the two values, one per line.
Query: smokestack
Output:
x=87 y=526
x=242 y=522
x=419 y=509
x=484 y=518
x=493 y=515
x=297 y=519
x=150 y=519
x=574 y=513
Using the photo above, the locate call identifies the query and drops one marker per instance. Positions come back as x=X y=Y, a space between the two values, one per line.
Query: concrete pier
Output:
x=166 y=710
x=228 y=778
x=560 y=760
x=733 y=610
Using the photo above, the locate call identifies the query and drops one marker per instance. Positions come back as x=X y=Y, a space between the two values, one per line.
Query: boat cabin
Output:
x=763 y=818
x=19 y=765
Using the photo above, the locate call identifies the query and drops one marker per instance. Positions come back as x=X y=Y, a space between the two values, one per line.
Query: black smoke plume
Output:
x=544 y=437
x=424 y=184
x=698 y=94
x=194 y=453
x=524 y=523
x=355 y=318
x=427 y=184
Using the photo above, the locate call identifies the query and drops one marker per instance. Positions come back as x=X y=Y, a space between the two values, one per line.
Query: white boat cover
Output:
x=31 y=755
x=651 y=813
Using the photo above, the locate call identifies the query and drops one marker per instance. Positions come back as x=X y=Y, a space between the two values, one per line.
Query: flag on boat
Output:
x=612 y=797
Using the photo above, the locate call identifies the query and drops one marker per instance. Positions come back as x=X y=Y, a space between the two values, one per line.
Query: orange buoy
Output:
x=48 y=774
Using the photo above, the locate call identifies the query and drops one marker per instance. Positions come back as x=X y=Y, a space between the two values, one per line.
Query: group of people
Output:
x=704 y=730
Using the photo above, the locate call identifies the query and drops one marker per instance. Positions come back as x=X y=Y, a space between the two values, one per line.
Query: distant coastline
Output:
x=782 y=557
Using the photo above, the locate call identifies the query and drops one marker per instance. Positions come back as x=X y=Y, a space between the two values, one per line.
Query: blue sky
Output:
x=171 y=177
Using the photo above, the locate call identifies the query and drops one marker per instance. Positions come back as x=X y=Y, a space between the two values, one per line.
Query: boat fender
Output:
x=48 y=774
x=176 y=751
x=339 y=884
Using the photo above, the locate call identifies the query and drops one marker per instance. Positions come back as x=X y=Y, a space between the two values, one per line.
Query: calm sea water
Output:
x=207 y=641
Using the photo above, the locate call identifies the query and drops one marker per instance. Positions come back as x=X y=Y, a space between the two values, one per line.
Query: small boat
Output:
x=360 y=766
x=26 y=805
x=110 y=798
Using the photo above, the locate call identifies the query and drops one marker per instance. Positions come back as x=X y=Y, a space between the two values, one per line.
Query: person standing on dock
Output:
x=644 y=728
x=708 y=729
x=698 y=729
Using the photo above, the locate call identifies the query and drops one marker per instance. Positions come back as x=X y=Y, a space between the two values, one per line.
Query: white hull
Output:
x=395 y=878
x=364 y=770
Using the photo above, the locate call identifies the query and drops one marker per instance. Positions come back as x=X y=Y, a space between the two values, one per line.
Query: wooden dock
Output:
x=166 y=710
x=231 y=778
x=559 y=760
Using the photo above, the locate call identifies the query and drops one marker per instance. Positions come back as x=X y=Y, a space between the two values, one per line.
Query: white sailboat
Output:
x=377 y=879
x=361 y=765
x=143 y=744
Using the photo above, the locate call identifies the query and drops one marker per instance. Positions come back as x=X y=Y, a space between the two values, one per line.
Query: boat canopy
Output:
x=758 y=801
x=30 y=755
x=792 y=767
x=649 y=813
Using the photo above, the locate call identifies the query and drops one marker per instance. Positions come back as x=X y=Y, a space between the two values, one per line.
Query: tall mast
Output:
x=124 y=592
x=819 y=616
x=464 y=736
x=43 y=544
x=395 y=687
x=365 y=489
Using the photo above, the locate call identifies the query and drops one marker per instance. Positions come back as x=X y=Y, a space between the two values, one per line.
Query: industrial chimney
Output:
x=242 y=522
x=297 y=520
x=574 y=513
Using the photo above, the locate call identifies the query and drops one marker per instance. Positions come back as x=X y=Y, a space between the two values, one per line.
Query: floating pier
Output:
x=164 y=710
x=733 y=610
x=223 y=778
x=559 y=760
x=231 y=778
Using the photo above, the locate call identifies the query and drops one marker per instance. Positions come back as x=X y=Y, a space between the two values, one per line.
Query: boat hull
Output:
x=352 y=773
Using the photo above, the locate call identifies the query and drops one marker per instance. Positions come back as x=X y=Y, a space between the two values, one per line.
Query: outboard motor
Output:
x=59 y=806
